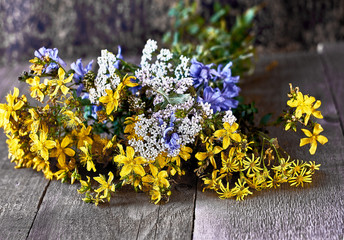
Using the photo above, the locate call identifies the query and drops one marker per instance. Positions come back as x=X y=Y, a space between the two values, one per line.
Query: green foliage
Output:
x=215 y=40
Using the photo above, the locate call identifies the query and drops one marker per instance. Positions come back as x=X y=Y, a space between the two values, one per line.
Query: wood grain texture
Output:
x=129 y=215
x=21 y=190
x=333 y=60
x=313 y=212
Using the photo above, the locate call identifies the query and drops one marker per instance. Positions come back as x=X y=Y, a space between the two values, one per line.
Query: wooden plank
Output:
x=313 y=212
x=21 y=190
x=333 y=59
x=129 y=215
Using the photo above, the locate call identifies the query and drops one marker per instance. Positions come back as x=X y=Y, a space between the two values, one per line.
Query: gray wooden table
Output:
x=32 y=207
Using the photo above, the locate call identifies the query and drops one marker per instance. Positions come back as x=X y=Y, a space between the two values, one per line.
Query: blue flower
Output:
x=226 y=74
x=43 y=53
x=80 y=70
x=201 y=73
x=219 y=100
x=118 y=56
x=171 y=138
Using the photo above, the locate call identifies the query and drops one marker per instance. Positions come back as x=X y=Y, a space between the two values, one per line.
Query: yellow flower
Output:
x=283 y=167
x=130 y=164
x=60 y=83
x=83 y=135
x=229 y=162
x=12 y=106
x=36 y=88
x=62 y=150
x=312 y=166
x=225 y=192
x=73 y=121
x=302 y=103
x=41 y=145
x=157 y=178
x=240 y=190
x=297 y=166
x=127 y=81
x=300 y=178
x=212 y=183
x=110 y=100
x=211 y=151
x=86 y=157
x=106 y=186
x=37 y=66
x=313 y=138
x=312 y=111
x=185 y=152
x=228 y=133
x=252 y=164
x=155 y=194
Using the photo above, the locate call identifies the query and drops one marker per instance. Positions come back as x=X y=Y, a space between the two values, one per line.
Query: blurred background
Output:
x=82 y=28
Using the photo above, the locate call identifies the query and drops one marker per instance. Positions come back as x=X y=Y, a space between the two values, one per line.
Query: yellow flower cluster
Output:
x=305 y=106
x=233 y=171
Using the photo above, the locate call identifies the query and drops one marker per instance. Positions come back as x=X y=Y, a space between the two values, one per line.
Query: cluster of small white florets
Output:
x=150 y=142
x=106 y=76
x=161 y=75
x=206 y=109
x=189 y=129
x=229 y=117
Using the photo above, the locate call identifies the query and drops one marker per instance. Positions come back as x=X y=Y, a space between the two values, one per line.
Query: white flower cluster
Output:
x=206 y=109
x=189 y=129
x=150 y=142
x=160 y=75
x=229 y=117
x=106 y=77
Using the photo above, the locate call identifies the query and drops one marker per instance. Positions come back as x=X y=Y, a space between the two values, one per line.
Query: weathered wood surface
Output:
x=313 y=212
x=333 y=60
x=33 y=208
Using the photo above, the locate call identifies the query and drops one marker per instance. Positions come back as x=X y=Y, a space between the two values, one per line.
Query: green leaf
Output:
x=216 y=17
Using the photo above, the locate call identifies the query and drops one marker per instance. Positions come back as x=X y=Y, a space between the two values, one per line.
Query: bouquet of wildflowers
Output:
x=145 y=125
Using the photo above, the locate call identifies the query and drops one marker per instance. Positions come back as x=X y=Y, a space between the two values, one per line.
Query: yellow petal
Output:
x=154 y=170
x=220 y=133
x=130 y=152
x=120 y=159
x=236 y=137
x=148 y=178
x=305 y=141
x=70 y=152
x=138 y=169
x=217 y=149
x=313 y=148
x=64 y=89
x=317 y=129
x=201 y=156
x=49 y=144
x=307 y=133
x=322 y=139
x=226 y=141
x=110 y=107
x=61 y=73
x=317 y=104
x=125 y=170
x=317 y=114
